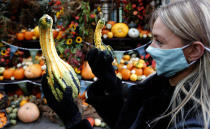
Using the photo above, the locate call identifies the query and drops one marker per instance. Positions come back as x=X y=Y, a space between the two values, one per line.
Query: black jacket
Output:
x=134 y=107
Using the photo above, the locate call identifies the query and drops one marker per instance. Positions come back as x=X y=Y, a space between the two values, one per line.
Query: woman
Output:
x=176 y=97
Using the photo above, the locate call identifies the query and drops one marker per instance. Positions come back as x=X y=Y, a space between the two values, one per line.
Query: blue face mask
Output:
x=168 y=61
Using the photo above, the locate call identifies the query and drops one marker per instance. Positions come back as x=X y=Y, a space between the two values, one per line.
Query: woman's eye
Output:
x=158 y=42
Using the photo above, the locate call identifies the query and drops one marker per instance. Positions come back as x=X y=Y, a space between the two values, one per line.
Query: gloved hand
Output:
x=67 y=110
x=101 y=64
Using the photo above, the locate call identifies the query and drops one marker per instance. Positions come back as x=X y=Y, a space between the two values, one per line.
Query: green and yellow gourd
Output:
x=97 y=36
x=59 y=73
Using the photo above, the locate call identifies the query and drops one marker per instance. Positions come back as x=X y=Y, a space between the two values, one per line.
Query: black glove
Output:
x=67 y=110
x=101 y=65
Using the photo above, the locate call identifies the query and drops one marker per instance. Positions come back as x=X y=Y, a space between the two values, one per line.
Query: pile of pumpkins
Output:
x=122 y=30
x=22 y=108
x=33 y=34
x=28 y=34
x=132 y=68
x=23 y=70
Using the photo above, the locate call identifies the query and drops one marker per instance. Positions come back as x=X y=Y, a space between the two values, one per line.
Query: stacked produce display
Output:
x=78 y=27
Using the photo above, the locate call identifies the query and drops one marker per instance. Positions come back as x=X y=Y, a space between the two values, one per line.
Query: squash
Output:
x=19 y=73
x=29 y=112
x=60 y=73
x=120 y=30
x=86 y=72
x=8 y=73
x=97 y=36
x=33 y=71
x=133 y=33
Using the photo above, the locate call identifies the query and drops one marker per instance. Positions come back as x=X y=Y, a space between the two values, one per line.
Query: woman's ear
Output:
x=194 y=51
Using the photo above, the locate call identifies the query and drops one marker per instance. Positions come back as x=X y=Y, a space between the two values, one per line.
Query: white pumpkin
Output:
x=133 y=33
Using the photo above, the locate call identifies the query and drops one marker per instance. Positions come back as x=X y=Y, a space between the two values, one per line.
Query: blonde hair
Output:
x=189 y=20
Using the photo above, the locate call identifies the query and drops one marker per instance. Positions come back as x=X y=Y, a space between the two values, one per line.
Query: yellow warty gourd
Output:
x=97 y=36
x=60 y=74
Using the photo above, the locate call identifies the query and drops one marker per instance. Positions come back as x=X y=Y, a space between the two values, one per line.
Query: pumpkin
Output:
x=110 y=35
x=8 y=73
x=29 y=112
x=33 y=71
x=133 y=33
x=20 y=36
x=120 y=30
x=126 y=73
x=91 y=120
x=105 y=32
x=19 y=73
x=148 y=71
x=28 y=35
x=138 y=71
x=133 y=77
x=86 y=72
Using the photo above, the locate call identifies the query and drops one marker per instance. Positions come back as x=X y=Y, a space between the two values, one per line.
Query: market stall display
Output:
x=77 y=28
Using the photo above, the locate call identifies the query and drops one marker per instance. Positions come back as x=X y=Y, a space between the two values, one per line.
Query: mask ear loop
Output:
x=207 y=49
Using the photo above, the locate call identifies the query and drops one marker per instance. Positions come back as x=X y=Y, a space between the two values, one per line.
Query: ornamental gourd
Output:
x=59 y=73
x=120 y=30
x=97 y=36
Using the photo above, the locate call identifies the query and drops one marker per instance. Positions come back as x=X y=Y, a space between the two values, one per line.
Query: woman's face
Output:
x=163 y=37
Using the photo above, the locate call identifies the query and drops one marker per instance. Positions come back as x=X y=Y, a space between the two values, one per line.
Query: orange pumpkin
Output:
x=129 y=66
x=138 y=71
x=105 y=32
x=148 y=71
x=126 y=74
x=20 y=36
x=28 y=35
x=29 y=112
x=8 y=73
x=91 y=120
x=19 y=74
x=86 y=72
x=33 y=71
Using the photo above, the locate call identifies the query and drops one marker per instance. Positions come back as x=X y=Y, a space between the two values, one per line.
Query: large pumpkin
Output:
x=33 y=71
x=29 y=112
x=120 y=30
x=86 y=72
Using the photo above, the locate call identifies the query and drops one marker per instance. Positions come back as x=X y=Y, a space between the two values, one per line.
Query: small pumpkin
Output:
x=105 y=31
x=133 y=33
x=8 y=73
x=29 y=112
x=20 y=36
x=126 y=73
x=19 y=73
x=28 y=35
x=33 y=71
x=86 y=72
x=148 y=70
x=120 y=30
